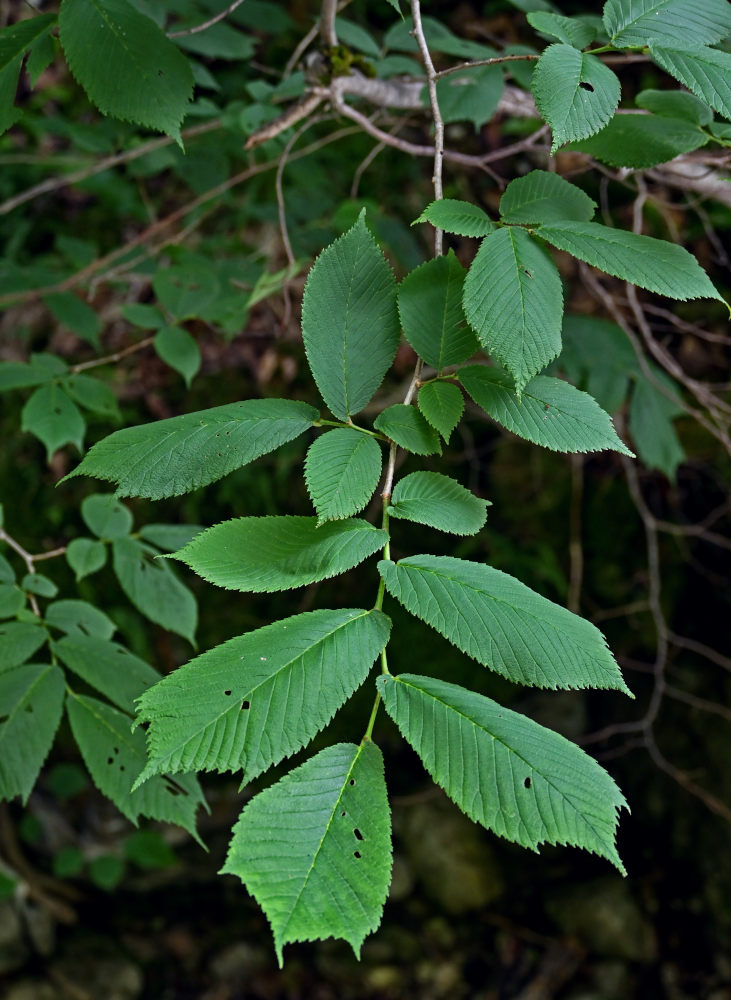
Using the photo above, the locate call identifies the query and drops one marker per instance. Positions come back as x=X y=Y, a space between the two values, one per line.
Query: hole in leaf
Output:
x=121 y=767
x=4 y=718
x=245 y=706
x=342 y=813
x=357 y=854
x=586 y=86
x=527 y=782
x=351 y=782
x=115 y=749
x=110 y=760
x=227 y=693
x=358 y=835
x=57 y=409
x=29 y=708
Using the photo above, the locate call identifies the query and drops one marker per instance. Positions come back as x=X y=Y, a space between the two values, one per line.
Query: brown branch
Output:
x=206 y=24
x=329 y=35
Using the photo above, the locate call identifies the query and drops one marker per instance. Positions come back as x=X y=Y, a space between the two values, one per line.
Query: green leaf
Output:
x=186 y=290
x=641 y=141
x=40 y=58
x=516 y=778
x=108 y=667
x=125 y=63
x=438 y=501
x=675 y=104
x=12 y=599
x=707 y=72
x=567 y=29
x=106 y=871
x=265 y=554
x=93 y=395
x=31 y=703
x=7 y=573
x=550 y=412
x=180 y=454
x=502 y=624
x=115 y=756
x=355 y=37
x=36 y=583
x=442 y=404
x=575 y=93
x=18 y=38
x=81 y=617
x=649 y=263
x=177 y=348
x=650 y=424
x=350 y=323
x=540 y=197
x=18 y=642
x=77 y=315
x=8 y=90
x=149 y=851
x=147 y=317
x=635 y=23
x=406 y=426
x=598 y=353
x=315 y=849
x=170 y=537
x=472 y=94
x=220 y=41
x=106 y=516
x=430 y=306
x=454 y=216
x=19 y=375
x=54 y=419
x=153 y=588
x=342 y=470
x=256 y=699
x=514 y=302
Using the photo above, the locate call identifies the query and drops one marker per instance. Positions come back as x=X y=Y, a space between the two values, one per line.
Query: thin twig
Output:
x=576 y=549
x=431 y=79
x=206 y=24
x=112 y=358
x=495 y=61
x=328 y=10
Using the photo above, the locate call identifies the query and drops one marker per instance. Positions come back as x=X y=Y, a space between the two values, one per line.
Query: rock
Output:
x=450 y=856
x=13 y=946
x=604 y=916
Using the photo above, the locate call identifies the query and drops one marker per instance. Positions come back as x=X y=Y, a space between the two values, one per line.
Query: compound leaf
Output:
x=516 y=778
x=514 y=302
x=31 y=703
x=265 y=554
x=442 y=404
x=256 y=699
x=503 y=624
x=180 y=454
x=653 y=264
x=430 y=306
x=541 y=197
x=342 y=470
x=635 y=23
x=575 y=93
x=438 y=501
x=125 y=63
x=455 y=216
x=114 y=756
x=315 y=849
x=406 y=426
x=707 y=72
x=153 y=588
x=350 y=323
x=550 y=412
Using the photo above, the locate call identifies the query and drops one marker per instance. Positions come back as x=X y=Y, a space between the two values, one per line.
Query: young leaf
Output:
x=342 y=470
x=85 y=556
x=77 y=315
x=635 y=23
x=54 y=419
x=438 y=501
x=180 y=454
x=115 y=756
x=31 y=703
x=92 y=395
x=675 y=104
x=256 y=699
x=514 y=302
x=406 y=426
x=641 y=141
x=550 y=412
x=707 y=72
x=650 y=424
x=106 y=516
x=177 y=348
x=656 y=265
x=541 y=196
x=430 y=306
x=80 y=617
x=516 y=778
x=37 y=583
x=153 y=588
x=18 y=642
x=315 y=849
x=442 y=404
x=460 y=217
x=264 y=554
x=575 y=93
x=12 y=600
x=567 y=29
x=110 y=668
x=503 y=624
x=350 y=323
x=125 y=63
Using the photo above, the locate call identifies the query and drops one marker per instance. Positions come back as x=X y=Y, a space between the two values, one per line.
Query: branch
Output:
x=207 y=24
x=328 y=10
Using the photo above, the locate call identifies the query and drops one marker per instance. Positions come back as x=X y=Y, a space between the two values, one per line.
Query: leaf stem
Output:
x=374 y=712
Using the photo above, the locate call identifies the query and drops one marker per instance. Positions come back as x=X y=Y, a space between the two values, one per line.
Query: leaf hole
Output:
x=121 y=767
x=357 y=854
x=57 y=409
x=110 y=760
x=29 y=709
x=527 y=782
x=245 y=706
x=342 y=814
x=227 y=693
x=4 y=718
x=586 y=86
x=351 y=782
x=357 y=834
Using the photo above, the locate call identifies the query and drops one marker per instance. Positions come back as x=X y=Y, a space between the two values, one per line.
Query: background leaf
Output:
x=31 y=703
x=153 y=588
x=350 y=323
x=108 y=667
x=650 y=424
x=18 y=642
x=72 y=617
x=54 y=419
x=641 y=141
x=406 y=426
x=342 y=469
x=177 y=348
x=315 y=849
x=106 y=516
x=685 y=22
x=707 y=72
x=438 y=501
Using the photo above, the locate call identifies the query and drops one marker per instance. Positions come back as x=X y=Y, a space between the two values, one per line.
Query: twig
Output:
x=207 y=24
x=701 y=649
x=431 y=78
x=328 y=10
x=112 y=358
x=576 y=550
x=494 y=61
